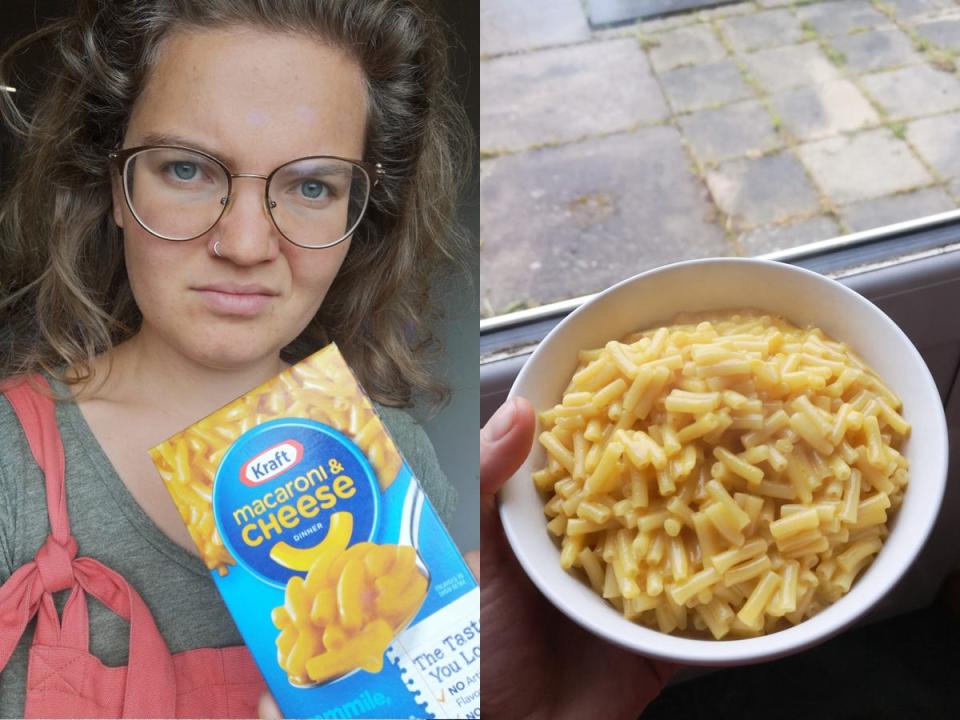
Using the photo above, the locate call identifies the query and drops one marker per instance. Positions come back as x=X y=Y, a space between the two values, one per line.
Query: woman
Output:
x=151 y=277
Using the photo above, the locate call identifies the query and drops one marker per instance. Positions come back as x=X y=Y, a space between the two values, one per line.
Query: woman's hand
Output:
x=536 y=663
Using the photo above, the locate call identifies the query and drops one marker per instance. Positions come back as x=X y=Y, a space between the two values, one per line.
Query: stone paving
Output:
x=739 y=130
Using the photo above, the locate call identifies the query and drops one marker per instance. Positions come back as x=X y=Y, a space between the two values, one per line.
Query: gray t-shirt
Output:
x=111 y=527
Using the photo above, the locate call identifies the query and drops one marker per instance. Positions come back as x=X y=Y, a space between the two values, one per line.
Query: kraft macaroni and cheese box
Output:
x=345 y=585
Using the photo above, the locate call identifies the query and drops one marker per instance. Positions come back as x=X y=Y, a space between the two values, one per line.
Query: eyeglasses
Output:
x=179 y=194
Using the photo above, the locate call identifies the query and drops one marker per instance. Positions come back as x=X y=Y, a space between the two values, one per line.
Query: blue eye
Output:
x=313 y=189
x=185 y=170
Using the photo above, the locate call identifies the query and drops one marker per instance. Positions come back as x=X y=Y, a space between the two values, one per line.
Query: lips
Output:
x=236 y=299
x=231 y=288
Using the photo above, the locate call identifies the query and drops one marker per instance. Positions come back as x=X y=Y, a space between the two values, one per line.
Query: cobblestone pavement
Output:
x=739 y=130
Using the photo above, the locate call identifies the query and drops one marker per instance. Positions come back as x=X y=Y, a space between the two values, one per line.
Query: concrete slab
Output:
x=842 y=17
x=944 y=32
x=703 y=86
x=564 y=94
x=937 y=139
x=817 y=111
x=728 y=10
x=743 y=128
x=869 y=164
x=763 y=190
x=789 y=235
x=870 y=214
x=789 y=66
x=913 y=91
x=693 y=45
x=560 y=222
x=911 y=9
x=509 y=26
x=953 y=187
x=876 y=50
x=768 y=28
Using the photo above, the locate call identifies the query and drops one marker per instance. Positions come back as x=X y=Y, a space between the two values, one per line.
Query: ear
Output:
x=119 y=202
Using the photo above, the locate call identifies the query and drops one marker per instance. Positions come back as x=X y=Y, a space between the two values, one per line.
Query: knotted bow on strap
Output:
x=150 y=689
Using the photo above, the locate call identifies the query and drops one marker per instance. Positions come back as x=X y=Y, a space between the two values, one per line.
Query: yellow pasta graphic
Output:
x=338 y=537
x=320 y=388
x=728 y=475
x=347 y=610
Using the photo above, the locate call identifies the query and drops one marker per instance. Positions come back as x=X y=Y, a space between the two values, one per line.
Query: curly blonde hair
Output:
x=64 y=292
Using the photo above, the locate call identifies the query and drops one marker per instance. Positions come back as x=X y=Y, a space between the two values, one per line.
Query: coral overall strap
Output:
x=150 y=681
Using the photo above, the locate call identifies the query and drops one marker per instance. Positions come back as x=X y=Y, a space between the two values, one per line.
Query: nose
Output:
x=246 y=231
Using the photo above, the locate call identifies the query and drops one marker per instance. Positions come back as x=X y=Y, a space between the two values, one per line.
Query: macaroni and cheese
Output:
x=728 y=475
x=347 y=610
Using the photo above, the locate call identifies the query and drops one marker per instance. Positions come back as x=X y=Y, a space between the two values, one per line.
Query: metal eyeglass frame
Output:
x=374 y=172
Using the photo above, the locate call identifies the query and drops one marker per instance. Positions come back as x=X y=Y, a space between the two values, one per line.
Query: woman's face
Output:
x=255 y=100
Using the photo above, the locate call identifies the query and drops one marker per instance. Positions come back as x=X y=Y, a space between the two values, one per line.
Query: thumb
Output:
x=504 y=443
x=267 y=708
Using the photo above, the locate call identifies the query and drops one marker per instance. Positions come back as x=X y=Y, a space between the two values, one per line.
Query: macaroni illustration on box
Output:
x=346 y=587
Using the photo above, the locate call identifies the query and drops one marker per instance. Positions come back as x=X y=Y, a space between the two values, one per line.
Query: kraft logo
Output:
x=271 y=462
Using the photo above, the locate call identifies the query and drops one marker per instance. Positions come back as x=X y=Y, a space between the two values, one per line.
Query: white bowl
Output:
x=804 y=298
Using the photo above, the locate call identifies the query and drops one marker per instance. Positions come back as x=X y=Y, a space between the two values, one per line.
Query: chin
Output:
x=232 y=350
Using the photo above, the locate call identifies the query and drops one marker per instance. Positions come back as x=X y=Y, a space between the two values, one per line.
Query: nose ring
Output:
x=216 y=249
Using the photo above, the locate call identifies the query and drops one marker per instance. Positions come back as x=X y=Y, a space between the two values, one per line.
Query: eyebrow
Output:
x=331 y=168
x=173 y=139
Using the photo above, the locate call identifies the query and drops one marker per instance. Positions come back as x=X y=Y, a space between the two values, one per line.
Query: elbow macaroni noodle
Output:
x=345 y=586
x=728 y=475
